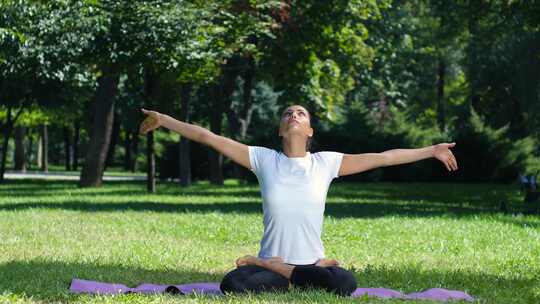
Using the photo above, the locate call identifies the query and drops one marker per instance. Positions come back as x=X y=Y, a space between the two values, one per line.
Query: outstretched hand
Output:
x=151 y=122
x=442 y=152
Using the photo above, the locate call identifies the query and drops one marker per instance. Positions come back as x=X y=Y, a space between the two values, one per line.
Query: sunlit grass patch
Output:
x=407 y=237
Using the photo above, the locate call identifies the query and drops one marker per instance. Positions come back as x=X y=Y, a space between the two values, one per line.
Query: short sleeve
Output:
x=258 y=156
x=332 y=162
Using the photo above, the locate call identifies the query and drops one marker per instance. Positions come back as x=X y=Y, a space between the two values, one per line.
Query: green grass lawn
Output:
x=407 y=237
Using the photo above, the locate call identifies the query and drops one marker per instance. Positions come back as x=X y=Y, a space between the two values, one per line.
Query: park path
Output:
x=67 y=176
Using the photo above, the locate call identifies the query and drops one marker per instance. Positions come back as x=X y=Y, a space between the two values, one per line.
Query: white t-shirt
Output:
x=294 y=193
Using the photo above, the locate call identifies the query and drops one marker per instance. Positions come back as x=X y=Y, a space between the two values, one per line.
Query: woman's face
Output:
x=295 y=120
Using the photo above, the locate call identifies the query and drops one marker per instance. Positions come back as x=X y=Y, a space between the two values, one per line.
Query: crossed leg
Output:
x=254 y=274
x=277 y=265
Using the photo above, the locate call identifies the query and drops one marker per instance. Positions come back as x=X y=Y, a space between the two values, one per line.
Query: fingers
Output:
x=454 y=162
x=239 y=262
x=447 y=165
x=450 y=145
x=145 y=126
x=451 y=163
x=449 y=160
x=150 y=123
x=143 y=129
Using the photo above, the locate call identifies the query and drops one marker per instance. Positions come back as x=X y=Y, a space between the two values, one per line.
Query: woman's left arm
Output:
x=356 y=163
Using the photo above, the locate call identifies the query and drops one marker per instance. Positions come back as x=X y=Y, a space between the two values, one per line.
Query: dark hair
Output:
x=309 y=139
x=308 y=144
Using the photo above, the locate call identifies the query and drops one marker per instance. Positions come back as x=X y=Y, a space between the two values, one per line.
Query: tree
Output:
x=320 y=48
x=224 y=33
x=21 y=72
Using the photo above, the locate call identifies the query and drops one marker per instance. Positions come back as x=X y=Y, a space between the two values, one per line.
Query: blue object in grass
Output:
x=528 y=182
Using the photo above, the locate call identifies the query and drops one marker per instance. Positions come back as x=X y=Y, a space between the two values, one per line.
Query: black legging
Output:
x=252 y=278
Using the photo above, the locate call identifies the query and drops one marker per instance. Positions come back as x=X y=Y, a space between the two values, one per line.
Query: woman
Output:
x=293 y=184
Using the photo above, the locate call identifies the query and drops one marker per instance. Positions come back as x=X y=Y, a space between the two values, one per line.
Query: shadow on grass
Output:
x=49 y=280
x=134 y=193
x=434 y=193
x=479 y=195
x=345 y=200
x=40 y=188
x=488 y=288
x=336 y=210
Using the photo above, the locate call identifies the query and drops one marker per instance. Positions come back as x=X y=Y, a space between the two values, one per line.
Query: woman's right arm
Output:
x=234 y=150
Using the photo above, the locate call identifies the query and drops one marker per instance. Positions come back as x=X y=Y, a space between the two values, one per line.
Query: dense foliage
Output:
x=376 y=75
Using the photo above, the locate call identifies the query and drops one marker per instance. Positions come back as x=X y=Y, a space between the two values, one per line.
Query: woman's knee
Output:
x=257 y=279
x=233 y=282
x=253 y=278
x=266 y=281
x=332 y=279
x=310 y=276
x=342 y=282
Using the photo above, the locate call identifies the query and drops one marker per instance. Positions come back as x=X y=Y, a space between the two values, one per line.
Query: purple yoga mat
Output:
x=92 y=287
x=84 y=286
x=437 y=294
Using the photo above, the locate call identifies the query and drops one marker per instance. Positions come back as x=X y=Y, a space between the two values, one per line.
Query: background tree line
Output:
x=376 y=75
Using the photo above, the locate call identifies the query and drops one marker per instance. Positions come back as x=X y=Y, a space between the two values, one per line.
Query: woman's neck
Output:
x=294 y=146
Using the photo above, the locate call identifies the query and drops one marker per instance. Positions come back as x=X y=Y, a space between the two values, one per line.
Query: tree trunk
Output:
x=151 y=88
x=7 y=134
x=29 y=150
x=441 y=113
x=151 y=168
x=135 y=150
x=127 y=150
x=114 y=140
x=20 y=151
x=7 y=127
x=221 y=100
x=185 y=157
x=239 y=122
x=68 y=150
x=76 y=137
x=216 y=167
x=45 y=148
x=39 y=152
x=247 y=108
x=215 y=159
x=475 y=10
x=92 y=172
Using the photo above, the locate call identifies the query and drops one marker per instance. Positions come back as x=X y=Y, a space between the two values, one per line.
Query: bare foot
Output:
x=273 y=260
x=248 y=260
x=327 y=263
x=251 y=260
